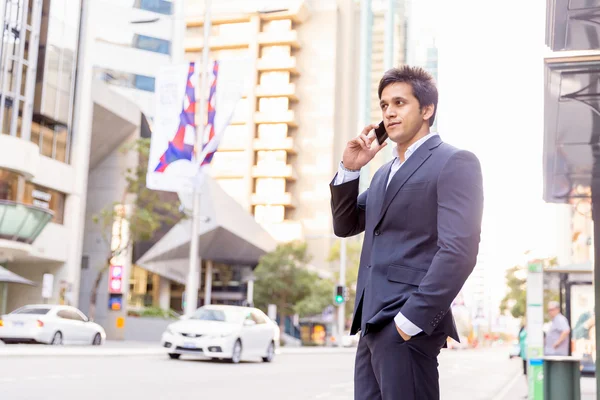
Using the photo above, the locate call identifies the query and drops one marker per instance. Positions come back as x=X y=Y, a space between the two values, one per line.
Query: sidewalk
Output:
x=130 y=348
x=519 y=389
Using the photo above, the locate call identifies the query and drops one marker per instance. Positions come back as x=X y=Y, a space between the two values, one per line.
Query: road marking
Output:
x=507 y=388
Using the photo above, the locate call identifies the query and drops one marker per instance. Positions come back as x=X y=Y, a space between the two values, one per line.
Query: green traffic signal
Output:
x=339 y=299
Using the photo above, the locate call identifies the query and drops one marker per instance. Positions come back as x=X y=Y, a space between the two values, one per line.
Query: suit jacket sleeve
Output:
x=348 y=208
x=460 y=209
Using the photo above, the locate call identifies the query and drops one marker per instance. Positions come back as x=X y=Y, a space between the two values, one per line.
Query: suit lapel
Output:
x=409 y=167
x=377 y=189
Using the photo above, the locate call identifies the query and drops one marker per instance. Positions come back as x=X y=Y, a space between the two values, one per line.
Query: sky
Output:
x=492 y=103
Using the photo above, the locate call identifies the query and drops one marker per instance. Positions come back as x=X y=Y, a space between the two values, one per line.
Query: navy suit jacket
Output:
x=421 y=236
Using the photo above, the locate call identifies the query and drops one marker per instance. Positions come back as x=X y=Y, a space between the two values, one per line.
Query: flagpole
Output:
x=193 y=279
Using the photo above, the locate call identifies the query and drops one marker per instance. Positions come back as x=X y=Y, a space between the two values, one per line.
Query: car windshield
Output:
x=31 y=310
x=220 y=315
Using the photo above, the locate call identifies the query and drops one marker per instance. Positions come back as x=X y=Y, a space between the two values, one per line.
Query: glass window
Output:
x=157 y=6
x=219 y=314
x=273 y=104
x=272 y=131
x=276 y=78
x=259 y=319
x=266 y=214
x=235 y=136
x=271 y=158
x=281 y=25
x=46 y=198
x=269 y=186
x=146 y=83
x=9 y=182
x=153 y=44
x=31 y=311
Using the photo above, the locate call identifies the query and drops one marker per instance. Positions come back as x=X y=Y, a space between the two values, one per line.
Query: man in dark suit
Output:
x=421 y=218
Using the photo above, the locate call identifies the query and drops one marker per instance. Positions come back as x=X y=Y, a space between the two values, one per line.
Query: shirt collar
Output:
x=413 y=147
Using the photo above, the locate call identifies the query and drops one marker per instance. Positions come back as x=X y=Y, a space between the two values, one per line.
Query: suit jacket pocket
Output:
x=408 y=275
x=415 y=185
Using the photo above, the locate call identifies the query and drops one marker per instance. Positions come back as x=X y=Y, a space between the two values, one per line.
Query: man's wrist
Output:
x=348 y=169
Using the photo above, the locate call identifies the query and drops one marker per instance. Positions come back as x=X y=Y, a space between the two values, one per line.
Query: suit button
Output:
x=368 y=266
x=377 y=232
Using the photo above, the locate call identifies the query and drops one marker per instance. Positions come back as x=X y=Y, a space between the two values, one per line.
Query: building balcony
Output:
x=196 y=44
x=285 y=38
x=198 y=20
x=288 y=64
x=288 y=90
x=269 y=117
x=286 y=143
x=277 y=199
x=20 y=225
x=274 y=171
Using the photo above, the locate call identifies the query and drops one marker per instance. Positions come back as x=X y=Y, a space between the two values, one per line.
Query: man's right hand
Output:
x=359 y=152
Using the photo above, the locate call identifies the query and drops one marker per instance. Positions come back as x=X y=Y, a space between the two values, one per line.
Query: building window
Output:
x=279 y=78
x=269 y=214
x=52 y=139
x=125 y=79
x=270 y=186
x=153 y=44
x=230 y=163
x=273 y=104
x=276 y=52
x=270 y=159
x=9 y=182
x=49 y=199
x=277 y=26
x=272 y=131
x=235 y=136
x=157 y=6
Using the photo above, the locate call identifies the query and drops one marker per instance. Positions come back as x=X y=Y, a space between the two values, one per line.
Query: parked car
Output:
x=50 y=324
x=223 y=332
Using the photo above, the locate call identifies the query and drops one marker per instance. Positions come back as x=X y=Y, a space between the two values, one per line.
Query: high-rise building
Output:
x=285 y=142
x=42 y=192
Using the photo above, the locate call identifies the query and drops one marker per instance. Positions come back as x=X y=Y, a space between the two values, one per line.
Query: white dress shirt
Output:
x=344 y=176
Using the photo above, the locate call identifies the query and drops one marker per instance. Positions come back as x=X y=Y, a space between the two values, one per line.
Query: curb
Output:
x=53 y=351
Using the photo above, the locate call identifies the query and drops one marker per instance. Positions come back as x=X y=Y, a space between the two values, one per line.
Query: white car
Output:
x=50 y=324
x=223 y=332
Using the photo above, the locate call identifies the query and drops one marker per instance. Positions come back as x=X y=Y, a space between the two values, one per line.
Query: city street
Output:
x=301 y=374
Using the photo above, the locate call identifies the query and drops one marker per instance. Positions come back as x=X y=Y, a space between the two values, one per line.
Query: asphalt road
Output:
x=473 y=375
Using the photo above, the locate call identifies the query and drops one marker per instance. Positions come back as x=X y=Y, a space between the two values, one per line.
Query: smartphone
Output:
x=381 y=133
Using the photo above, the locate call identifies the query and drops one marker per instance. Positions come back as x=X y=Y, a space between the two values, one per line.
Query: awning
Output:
x=10 y=277
x=572 y=99
x=228 y=234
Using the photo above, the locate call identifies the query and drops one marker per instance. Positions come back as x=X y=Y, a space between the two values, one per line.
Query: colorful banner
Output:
x=170 y=164
x=174 y=163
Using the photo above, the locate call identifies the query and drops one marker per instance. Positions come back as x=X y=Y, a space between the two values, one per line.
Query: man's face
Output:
x=402 y=115
x=553 y=312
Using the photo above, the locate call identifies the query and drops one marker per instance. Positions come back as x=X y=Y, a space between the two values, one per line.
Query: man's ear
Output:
x=428 y=111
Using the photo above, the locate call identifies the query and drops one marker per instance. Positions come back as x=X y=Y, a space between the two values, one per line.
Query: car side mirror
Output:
x=249 y=322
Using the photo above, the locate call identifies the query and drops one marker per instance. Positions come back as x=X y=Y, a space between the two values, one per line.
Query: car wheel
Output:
x=174 y=356
x=270 y=353
x=57 y=339
x=236 y=355
x=97 y=340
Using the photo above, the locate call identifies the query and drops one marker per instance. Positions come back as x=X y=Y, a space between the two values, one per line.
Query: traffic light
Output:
x=340 y=295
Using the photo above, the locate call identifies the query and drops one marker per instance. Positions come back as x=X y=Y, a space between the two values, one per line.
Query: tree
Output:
x=515 y=300
x=353 y=249
x=138 y=215
x=283 y=279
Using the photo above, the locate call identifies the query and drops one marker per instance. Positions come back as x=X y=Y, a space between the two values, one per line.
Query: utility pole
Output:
x=193 y=278
x=341 y=317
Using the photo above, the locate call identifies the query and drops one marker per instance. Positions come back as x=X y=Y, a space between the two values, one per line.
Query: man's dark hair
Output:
x=421 y=81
